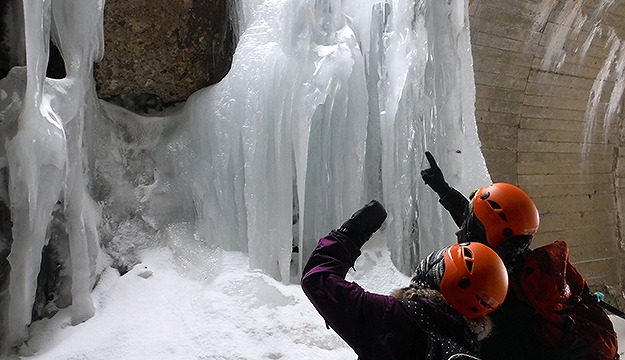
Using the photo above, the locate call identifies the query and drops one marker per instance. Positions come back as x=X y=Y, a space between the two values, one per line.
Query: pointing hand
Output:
x=433 y=176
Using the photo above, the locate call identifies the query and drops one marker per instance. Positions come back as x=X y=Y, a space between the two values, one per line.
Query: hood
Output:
x=480 y=328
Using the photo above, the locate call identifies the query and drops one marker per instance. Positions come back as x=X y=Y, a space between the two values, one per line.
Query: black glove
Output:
x=433 y=177
x=363 y=223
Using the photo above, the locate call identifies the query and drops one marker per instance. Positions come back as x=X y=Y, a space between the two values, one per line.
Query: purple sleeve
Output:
x=359 y=317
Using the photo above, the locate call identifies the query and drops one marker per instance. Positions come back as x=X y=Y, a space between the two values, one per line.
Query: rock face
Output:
x=163 y=50
x=156 y=52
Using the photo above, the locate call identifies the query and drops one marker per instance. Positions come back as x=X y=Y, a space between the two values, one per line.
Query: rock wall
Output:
x=159 y=52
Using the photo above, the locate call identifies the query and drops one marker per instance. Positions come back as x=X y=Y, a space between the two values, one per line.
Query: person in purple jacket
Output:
x=443 y=316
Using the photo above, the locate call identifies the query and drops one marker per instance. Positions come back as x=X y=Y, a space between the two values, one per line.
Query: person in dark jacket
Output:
x=442 y=318
x=500 y=215
x=505 y=218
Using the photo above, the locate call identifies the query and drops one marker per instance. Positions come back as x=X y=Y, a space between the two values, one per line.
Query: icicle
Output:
x=46 y=157
x=78 y=27
x=37 y=158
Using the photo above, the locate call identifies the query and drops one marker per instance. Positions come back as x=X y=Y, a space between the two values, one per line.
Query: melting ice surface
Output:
x=328 y=104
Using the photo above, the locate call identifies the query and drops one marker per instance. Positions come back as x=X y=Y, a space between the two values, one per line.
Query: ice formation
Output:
x=328 y=104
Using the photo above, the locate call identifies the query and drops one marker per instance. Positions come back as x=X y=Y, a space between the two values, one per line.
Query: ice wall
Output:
x=426 y=94
x=328 y=104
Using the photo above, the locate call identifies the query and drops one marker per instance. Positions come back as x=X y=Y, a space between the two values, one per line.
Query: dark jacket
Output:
x=512 y=337
x=456 y=204
x=380 y=327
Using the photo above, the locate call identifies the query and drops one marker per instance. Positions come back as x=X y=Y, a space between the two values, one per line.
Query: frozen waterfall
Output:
x=328 y=104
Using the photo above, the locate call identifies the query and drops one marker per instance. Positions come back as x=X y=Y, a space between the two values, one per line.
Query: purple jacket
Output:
x=376 y=326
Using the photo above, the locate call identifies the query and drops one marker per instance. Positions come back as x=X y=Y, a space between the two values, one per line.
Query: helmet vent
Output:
x=507 y=232
x=484 y=303
x=494 y=205
x=468 y=259
x=464 y=283
x=503 y=216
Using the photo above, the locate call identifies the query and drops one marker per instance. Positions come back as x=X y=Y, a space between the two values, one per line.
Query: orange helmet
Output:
x=502 y=210
x=475 y=280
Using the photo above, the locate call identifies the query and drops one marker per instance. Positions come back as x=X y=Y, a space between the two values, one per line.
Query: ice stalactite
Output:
x=426 y=103
x=593 y=108
x=37 y=157
x=46 y=158
x=81 y=42
x=568 y=23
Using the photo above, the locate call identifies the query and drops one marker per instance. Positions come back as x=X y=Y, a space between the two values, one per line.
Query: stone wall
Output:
x=549 y=81
x=165 y=49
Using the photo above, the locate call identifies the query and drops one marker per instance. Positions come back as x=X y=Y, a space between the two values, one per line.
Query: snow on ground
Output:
x=162 y=309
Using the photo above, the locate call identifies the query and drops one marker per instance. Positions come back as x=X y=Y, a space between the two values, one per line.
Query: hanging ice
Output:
x=37 y=158
x=328 y=104
x=45 y=158
x=426 y=93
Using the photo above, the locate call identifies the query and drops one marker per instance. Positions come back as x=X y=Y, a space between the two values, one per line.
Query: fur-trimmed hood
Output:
x=480 y=327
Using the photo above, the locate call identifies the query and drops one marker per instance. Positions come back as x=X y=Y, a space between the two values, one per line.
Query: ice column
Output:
x=329 y=143
x=287 y=125
x=37 y=159
x=46 y=157
x=79 y=36
x=426 y=95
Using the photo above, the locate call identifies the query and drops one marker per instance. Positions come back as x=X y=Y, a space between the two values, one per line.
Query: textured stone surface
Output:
x=166 y=48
